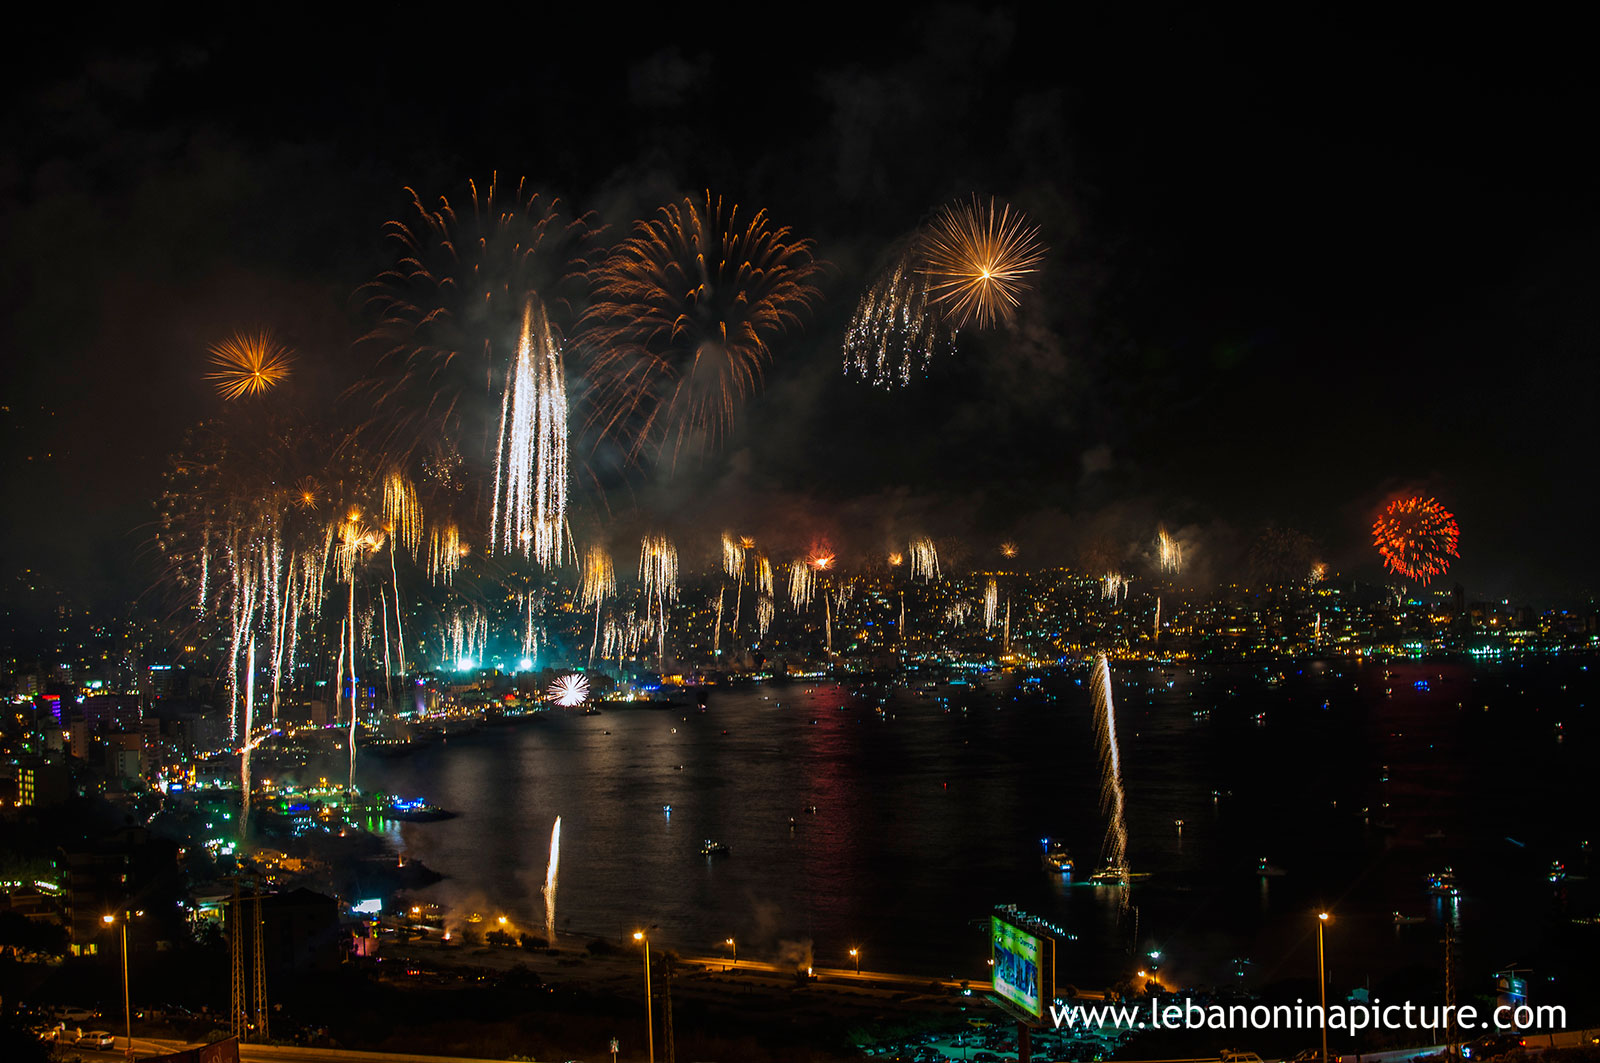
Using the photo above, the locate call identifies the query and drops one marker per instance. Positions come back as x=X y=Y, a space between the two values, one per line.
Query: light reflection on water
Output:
x=927 y=819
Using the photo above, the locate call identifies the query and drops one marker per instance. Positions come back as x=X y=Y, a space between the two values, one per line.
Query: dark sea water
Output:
x=931 y=812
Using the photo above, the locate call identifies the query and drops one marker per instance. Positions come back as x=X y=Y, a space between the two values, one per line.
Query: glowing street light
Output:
x=734 y=945
x=650 y=1018
x=855 y=954
x=127 y=1012
x=1322 y=983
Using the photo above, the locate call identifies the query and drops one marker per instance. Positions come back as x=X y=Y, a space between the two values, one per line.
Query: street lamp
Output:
x=855 y=954
x=649 y=1017
x=127 y=1012
x=1322 y=983
x=734 y=945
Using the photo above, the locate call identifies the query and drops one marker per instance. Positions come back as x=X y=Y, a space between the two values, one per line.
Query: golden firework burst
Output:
x=306 y=492
x=976 y=257
x=249 y=364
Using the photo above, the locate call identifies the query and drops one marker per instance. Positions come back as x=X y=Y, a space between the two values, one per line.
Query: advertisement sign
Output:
x=1019 y=967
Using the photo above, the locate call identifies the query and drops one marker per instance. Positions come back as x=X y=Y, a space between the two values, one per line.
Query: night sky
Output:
x=1297 y=265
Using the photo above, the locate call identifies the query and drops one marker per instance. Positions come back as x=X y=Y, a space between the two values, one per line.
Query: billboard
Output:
x=1023 y=967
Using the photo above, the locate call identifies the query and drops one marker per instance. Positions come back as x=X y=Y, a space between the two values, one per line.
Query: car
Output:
x=1491 y=1047
x=98 y=1039
x=1240 y=1057
x=76 y=1014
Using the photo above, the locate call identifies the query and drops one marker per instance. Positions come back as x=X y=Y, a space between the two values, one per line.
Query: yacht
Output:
x=711 y=848
x=1056 y=858
x=1443 y=883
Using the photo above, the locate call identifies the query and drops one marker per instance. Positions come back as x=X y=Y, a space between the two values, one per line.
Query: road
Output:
x=293 y=1054
x=835 y=974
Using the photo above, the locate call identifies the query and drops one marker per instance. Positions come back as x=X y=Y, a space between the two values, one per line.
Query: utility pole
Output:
x=236 y=963
x=1451 y=1048
x=259 y=970
x=672 y=1054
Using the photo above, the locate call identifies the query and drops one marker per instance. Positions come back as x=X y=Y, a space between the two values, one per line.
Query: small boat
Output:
x=811 y=810
x=1267 y=869
x=1443 y=883
x=1115 y=875
x=416 y=810
x=1408 y=920
x=711 y=848
x=1558 y=871
x=1057 y=859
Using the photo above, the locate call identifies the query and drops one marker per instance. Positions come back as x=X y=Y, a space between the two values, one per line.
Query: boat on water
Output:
x=1558 y=871
x=415 y=810
x=1443 y=883
x=1266 y=869
x=1408 y=920
x=1115 y=875
x=711 y=848
x=1056 y=858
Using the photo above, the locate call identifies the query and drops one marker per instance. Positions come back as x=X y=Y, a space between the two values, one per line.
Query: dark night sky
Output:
x=1297 y=264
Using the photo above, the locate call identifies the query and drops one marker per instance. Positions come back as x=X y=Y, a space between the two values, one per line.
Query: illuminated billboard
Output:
x=1023 y=967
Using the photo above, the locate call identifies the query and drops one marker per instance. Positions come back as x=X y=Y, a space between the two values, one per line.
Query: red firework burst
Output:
x=1416 y=537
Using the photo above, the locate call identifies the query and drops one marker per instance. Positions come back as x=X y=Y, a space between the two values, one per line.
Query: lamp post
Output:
x=1322 y=983
x=649 y=1017
x=127 y=1011
x=734 y=945
x=855 y=954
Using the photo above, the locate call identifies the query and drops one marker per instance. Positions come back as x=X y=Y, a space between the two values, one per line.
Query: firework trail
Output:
x=893 y=332
x=902 y=628
x=976 y=259
x=399 y=626
x=924 y=560
x=530 y=476
x=401 y=511
x=1008 y=550
x=745 y=546
x=896 y=560
x=1169 y=554
x=956 y=613
x=683 y=317
x=765 y=611
x=716 y=630
x=1114 y=853
x=658 y=571
x=732 y=556
x=550 y=878
x=599 y=583
x=1007 y=642
x=1318 y=573
x=991 y=604
x=445 y=551
x=764 y=576
x=446 y=318
x=570 y=691
x=802 y=583
x=249 y=364
x=1416 y=537
x=249 y=740
x=1155 y=628
x=1112 y=584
